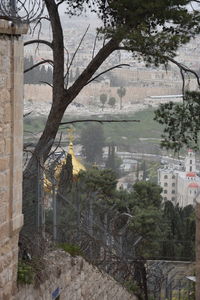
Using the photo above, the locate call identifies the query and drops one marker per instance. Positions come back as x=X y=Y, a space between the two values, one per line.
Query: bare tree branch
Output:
x=45 y=82
x=184 y=68
x=100 y=121
x=115 y=67
x=71 y=62
x=38 y=64
x=66 y=76
x=27 y=114
x=38 y=41
x=60 y=2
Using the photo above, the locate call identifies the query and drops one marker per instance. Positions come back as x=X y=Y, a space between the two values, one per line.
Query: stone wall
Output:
x=11 y=131
x=73 y=279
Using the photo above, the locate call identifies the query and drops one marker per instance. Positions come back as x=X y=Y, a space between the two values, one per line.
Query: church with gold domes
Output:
x=77 y=166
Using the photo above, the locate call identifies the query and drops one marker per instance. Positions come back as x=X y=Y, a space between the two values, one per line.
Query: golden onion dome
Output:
x=76 y=164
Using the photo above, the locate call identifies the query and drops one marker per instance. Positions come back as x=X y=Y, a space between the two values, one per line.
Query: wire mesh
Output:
x=63 y=210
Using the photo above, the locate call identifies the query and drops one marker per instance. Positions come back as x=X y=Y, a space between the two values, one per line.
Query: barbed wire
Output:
x=23 y=11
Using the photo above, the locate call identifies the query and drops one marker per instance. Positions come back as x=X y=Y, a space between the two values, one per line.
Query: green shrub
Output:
x=73 y=250
x=25 y=273
x=132 y=287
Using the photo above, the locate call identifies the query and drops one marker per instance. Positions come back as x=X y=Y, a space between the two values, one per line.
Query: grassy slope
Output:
x=126 y=135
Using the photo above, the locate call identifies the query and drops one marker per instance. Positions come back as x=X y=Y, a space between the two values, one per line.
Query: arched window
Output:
x=165 y=177
x=173 y=176
x=165 y=184
x=173 y=198
x=173 y=191
x=173 y=183
x=165 y=191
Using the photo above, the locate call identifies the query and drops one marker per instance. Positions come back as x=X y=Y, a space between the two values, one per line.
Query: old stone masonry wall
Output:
x=11 y=132
x=73 y=279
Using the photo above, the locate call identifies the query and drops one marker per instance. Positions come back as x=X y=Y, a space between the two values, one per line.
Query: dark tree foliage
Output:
x=151 y=29
x=103 y=98
x=112 y=101
x=38 y=75
x=92 y=141
x=147 y=193
x=181 y=122
x=154 y=28
x=101 y=181
x=179 y=232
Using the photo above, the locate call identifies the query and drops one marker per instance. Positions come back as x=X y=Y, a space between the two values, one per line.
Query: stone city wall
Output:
x=11 y=132
x=73 y=279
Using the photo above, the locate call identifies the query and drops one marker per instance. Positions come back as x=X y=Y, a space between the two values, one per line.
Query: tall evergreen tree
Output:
x=92 y=140
x=103 y=99
x=121 y=93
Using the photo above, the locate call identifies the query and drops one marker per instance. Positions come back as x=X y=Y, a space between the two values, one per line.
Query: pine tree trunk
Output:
x=61 y=99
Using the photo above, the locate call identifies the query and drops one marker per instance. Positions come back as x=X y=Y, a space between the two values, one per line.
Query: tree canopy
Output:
x=151 y=29
x=181 y=122
x=154 y=28
x=92 y=141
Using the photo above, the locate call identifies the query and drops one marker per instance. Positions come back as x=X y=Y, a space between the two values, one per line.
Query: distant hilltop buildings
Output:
x=180 y=184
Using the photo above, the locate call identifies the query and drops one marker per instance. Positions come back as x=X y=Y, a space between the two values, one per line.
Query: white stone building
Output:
x=180 y=183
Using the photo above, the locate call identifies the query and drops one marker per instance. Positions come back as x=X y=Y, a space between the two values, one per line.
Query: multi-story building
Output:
x=180 y=183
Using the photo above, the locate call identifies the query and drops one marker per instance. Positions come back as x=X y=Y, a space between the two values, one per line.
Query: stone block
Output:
x=5 y=261
x=6 y=277
x=2 y=147
x=17 y=223
x=5 y=65
x=4 y=196
x=4 y=179
x=4 y=164
x=7 y=131
x=4 y=213
x=5 y=231
x=7 y=113
x=7 y=292
x=8 y=144
x=17 y=206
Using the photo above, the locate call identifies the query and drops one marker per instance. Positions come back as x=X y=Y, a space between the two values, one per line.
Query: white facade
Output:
x=180 y=184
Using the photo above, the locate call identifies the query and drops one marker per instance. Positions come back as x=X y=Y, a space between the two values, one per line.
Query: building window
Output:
x=173 y=191
x=190 y=169
x=190 y=161
x=173 y=184
x=165 y=198
x=165 y=191
x=165 y=184
x=173 y=198
x=165 y=177
x=173 y=176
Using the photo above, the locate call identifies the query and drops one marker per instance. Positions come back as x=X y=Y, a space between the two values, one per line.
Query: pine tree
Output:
x=103 y=99
x=121 y=93
x=92 y=140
